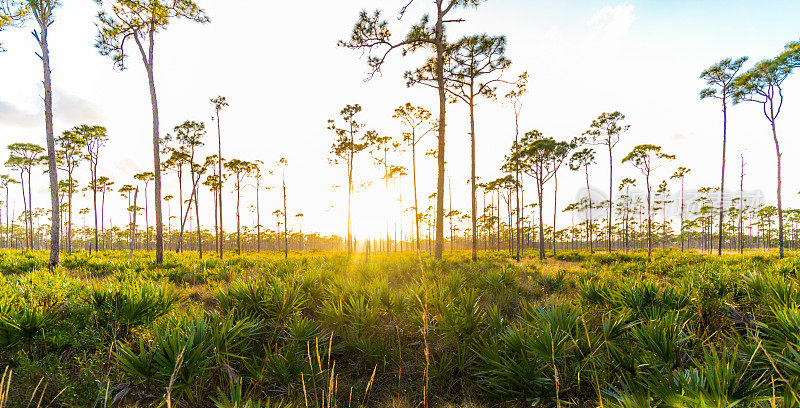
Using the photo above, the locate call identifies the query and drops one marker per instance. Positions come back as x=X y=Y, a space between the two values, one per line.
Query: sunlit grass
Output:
x=323 y=329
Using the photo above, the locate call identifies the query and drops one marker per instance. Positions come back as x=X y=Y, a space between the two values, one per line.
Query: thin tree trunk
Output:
x=499 y=220
x=682 y=213
x=25 y=209
x=146 y=220
x=590 y=225
x=102 y=213
x=780 y=206
x=197 y=216
x=51 y=146
x=133 y=222
x=722 y=181
x=517 y=186
x=627 y=217
x=510 y=223
x=349 y=201
x=285 y=225
x=540 y=191
x=9 y=238
x=610 y=194
x=649 y=220
x=238 y=220
x=440 y=45
x=450 y=214
x=221 y=236
x=3 y=231
x=741 y=207
x=386 y=188
x=30 y=211
x=147 y=59
x=180 y=208
x=555 y=209
x=69 y=218
x=216 y=221
x=416 y=202
x=185 y=216
x=473 y=188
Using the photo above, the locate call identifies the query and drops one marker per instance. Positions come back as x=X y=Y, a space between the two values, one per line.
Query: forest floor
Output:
x=321 y=329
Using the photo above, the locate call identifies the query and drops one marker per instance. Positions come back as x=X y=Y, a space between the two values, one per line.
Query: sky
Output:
x=284 y=76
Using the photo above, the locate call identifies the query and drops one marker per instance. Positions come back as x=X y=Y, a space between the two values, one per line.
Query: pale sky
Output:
x=279 y=67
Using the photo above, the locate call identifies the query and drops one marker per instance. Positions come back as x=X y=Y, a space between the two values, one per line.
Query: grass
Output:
x=323 y=330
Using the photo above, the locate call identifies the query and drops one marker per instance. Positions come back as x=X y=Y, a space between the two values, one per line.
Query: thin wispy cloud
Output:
x=73 y=109
x=611 y=23
x=13 y=115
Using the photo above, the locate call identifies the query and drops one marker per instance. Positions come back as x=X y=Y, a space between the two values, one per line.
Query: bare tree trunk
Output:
x=510 y=224
x=499 y=220
x=185 y=215
x=610 y=194
x=682 y=214
x=525 y=237
x=30 y=212
x=3 y=235
x=540 y=191
x=221 y=234
x=69 y=204
x=722 y=182
x=486 y=223
x=741 y=207
x=285 y=225
x=179 y=246
x=473 y=188
x=386 y=188
x=146 y=220
x=627 y=217
x=102 y=212
x=416 y=202
x=238 y=219
x=216 y=221
x=780 y=206
x=25 y=209
x=147 y=58
x=133 y=223
x=555 y=209
x=450 y=213
x=590 y=225
x=649 y=220
x=258 y=215
x=197 y=216
x=9 y=239
x=349 y=201
x=439 y=247
x=41 y=37
x=517 y=187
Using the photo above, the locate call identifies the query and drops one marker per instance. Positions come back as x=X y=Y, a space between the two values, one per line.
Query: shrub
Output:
x=124 y=307
x=179 y=355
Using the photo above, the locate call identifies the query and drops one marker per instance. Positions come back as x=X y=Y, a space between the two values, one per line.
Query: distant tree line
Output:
x=469 y=70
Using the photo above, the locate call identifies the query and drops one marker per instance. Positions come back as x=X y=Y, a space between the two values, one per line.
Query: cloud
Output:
x=72 y=109
x=68 y=109
x=678 y=137
x=125 y=166
x=12 y=115
x=611 y=23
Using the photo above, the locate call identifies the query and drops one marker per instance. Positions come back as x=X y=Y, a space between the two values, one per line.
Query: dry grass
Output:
x=5 y=388
x=548 y=266
x=405 y=403
x=202 y=295
x=551 y=267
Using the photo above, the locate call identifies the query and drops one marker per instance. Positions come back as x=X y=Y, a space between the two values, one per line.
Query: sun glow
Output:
x=376 y=210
